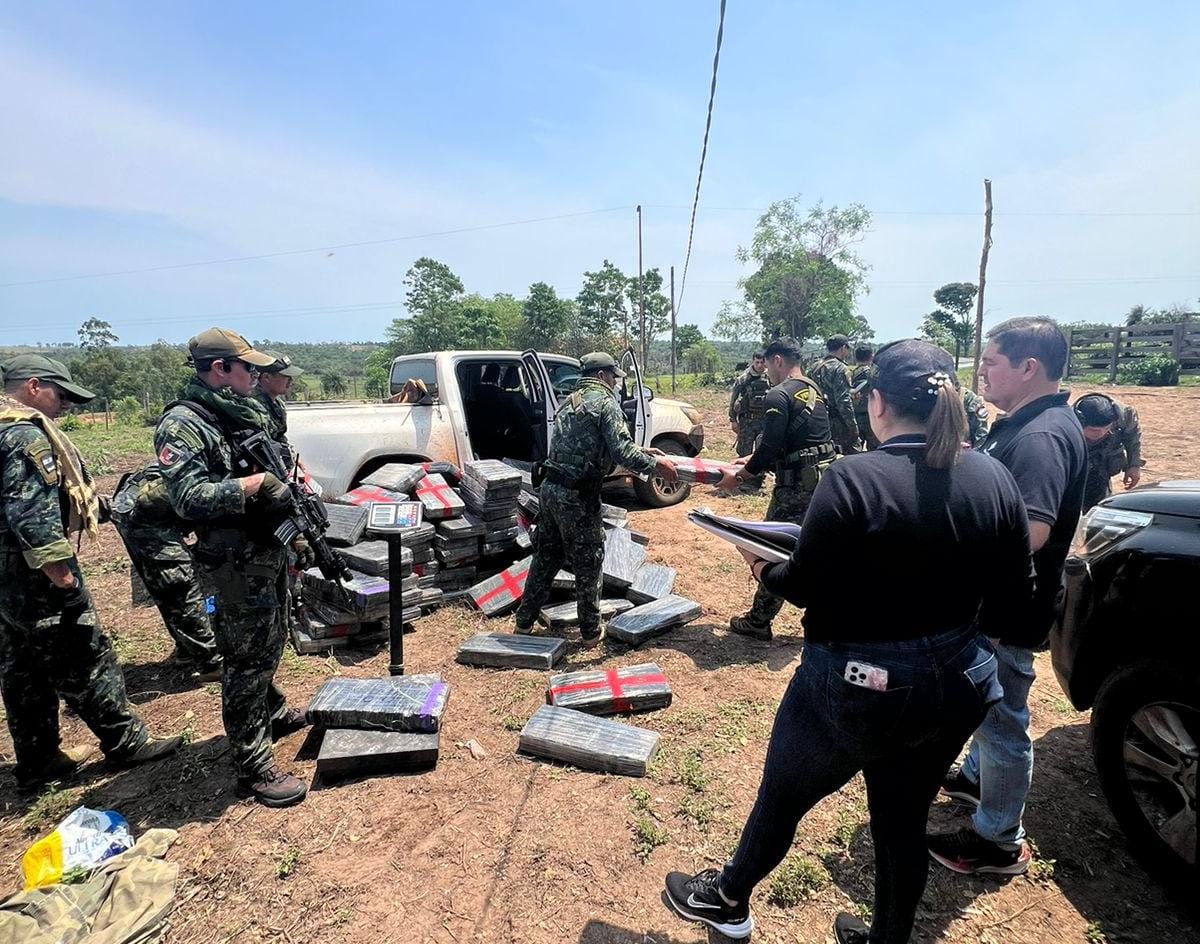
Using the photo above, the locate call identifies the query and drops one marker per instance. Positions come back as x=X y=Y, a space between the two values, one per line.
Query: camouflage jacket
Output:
x=860 y=392
x=1121 y=449
x=747 y=399
x=590 y=436
x=33 y=520
x=833 y=377
x=977 y=418
x=276 y=423
x=143 y=515
x=197 y=466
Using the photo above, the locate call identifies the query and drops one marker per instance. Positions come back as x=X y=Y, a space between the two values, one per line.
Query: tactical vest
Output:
x=752 y=402
x=806 y=442
x=568 y=465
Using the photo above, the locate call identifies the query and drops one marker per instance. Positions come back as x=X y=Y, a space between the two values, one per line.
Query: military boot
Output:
x=274 y=788
x=744 y=626
x=148 y=750
x=292 y=719
x=62 y=765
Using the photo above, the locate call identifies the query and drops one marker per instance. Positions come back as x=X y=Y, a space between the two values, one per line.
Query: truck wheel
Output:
x=1145 y=732
x=658 y=492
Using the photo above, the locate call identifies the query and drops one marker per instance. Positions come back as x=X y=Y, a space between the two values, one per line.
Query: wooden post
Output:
x=1070 y=332
x=641 y=291
x=672 y=329
x=1177 y=340
x=1116 y=354
x=983 y=260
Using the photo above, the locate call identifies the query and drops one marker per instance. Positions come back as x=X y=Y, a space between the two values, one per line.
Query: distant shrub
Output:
x=69 y=422
x=1157 y=370
x=128 y=411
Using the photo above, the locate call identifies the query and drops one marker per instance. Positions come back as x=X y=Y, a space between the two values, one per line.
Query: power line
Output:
x=1097 y=280
x=221 y=316
x=298 y=252
x=971 y=213
x=712 y=96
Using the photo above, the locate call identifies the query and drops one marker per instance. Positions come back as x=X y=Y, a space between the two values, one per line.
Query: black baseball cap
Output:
x=281 y=365
x=913 y=370
x=47 y=370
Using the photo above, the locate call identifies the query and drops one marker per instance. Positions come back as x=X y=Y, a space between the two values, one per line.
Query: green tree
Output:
x=737 y=321
x=433 y=295
x=546 y=318
x=657 y=306
x=602 y=303
x=509 y=317
x=95 y=334
x=954 y=314
x=332 y=385
x=377 y=370
x=685 y=336
x=479 y=326
x=702 y=358
x=808 y=276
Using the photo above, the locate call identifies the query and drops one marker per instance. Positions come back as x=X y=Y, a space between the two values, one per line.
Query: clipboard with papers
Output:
x=771 y=540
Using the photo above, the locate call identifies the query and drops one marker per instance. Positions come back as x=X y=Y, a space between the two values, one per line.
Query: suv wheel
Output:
x=1145 y=737
x=658 y=492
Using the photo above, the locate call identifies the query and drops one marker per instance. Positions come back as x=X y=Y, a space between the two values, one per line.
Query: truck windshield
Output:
x=415 y=368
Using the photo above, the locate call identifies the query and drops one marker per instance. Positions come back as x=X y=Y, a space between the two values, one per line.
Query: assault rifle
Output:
x=306 y=516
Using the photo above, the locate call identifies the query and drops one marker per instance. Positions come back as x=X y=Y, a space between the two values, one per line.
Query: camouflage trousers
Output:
x=749 y=431
x=1097 y=488
x=249 y=630
x=788 y=503
x=569 y=535
x=166 y=569
x=864 y=428
x=44 y=657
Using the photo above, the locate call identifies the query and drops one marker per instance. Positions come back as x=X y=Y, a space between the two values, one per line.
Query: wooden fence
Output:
x=1107 y=350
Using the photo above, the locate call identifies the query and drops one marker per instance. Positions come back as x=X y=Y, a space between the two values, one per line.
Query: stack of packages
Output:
x=456 y=543
x=490 y=488
x=372 y=726
x=341 y=615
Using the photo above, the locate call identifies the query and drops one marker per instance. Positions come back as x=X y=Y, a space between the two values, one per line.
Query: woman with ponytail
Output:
x=895 y=690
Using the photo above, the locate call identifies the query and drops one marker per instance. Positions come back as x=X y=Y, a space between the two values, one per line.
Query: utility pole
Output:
x=672 y=329
x=983 y=260
x=641 y=291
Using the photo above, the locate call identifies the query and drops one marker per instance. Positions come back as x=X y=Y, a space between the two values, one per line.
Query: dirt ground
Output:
x=505 y=848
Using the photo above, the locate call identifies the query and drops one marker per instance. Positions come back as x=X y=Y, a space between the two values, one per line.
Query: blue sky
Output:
x=139 y=135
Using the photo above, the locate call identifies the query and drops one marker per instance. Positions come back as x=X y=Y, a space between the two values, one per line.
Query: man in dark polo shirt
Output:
x=1041 y=443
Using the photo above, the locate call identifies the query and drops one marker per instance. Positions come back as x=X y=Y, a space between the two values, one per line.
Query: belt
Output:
x=807 y=458
x=572 y=483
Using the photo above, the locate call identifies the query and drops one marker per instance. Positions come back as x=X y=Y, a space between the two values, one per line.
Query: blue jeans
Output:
x=903 y=739
x=1001 y=755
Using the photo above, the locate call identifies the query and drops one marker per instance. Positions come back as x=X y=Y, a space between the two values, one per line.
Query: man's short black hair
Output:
x=757 y=356
x=863 y=353
x=1040 y=338
x=787 y=348
x=836 y=343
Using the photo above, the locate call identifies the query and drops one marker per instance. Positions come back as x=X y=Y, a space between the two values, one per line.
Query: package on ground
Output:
x=524 y=537
x=306 y=644
x=430 y=596
x=467 y=525
x=651 y=619
x=587 y=741
x=563 y=580
x=501 y=593
x=362 y=591
x=455 y=578
x=438 y=498
x=639 y=537
x=365 y=494
x=319 y=629
x=346 y=524
x=512 y=651
x=395 y=477
x=492 y=476
x=530 y=504
x=613 y=691
x=410 y=615
x=397 y=703
x=652 y=582
x=427 y=567
x=418 y=538
x=459 y=552
x=614 y=515
x=371 y=557
x=564 y=615
x=447 y=470
x=622 y=558
x=346 y=752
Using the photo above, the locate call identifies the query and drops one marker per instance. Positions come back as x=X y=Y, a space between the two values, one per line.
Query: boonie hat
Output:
x=282 y=365
x=913 y=370
x=599 y=360
x=47 y=370
x=219 y=343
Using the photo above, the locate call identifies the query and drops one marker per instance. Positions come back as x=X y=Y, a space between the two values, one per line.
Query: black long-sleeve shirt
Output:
x=938 y=548
x=795 y=418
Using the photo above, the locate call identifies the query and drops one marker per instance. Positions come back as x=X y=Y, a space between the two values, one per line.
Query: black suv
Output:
x=1127 y=644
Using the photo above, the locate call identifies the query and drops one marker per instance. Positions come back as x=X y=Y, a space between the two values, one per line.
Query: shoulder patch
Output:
x=172 y=454
x=42 y=457
x=803 y=395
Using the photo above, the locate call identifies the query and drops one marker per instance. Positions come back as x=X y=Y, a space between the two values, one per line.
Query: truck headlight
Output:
x=1102 y=527
x=692 y=414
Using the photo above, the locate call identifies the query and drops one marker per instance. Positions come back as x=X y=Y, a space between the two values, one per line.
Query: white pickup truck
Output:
x=484 y=405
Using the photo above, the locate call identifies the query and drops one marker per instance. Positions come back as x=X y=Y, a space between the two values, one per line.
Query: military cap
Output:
x=282 y=365
x=1096 y=409
x=216 y=344
x=47 y=370
x=836 y=343
x=599 y=360
x=913 y=370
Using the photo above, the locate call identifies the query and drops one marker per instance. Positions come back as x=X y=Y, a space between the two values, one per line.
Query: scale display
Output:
x=393 y=517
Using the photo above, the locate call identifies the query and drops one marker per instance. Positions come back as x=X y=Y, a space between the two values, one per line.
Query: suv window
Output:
x=418 y=368
x=564 y=378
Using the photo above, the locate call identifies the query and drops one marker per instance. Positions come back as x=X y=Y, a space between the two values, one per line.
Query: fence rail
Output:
x=1107 y=350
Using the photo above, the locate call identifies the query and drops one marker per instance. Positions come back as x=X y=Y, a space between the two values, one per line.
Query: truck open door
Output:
x=542 y=399
x=635 y=398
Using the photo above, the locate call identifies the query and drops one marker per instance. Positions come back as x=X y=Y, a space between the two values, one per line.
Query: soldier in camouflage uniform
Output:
x=234 y=509
x=796 y=444
x=154 y=537
x=746 y=404
x=860 y=392
x=274 y=383
x=1114 y=441
x=832 y=376
x=51 y=642
x=977 y=416
x=590 y=438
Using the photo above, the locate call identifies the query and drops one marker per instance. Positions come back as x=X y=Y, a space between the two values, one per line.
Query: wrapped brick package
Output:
x=346 y=752
x=346 y=524
x=613 y=691
x=651 y=619
x=397 y=703
x=438 y=498
x=396 y=477
x=575 y=737
x=511 y=651
x=501 y=593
